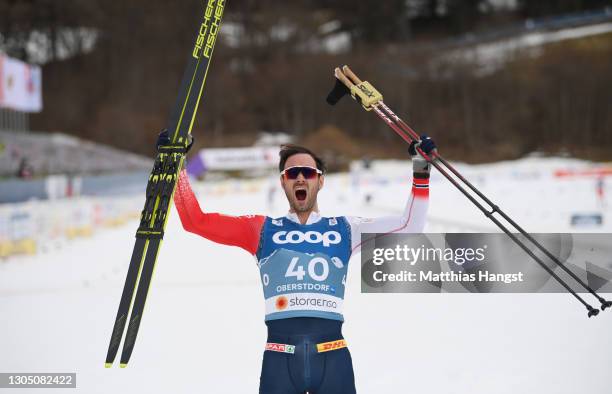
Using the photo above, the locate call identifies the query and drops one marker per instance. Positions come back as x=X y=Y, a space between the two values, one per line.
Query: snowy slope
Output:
x=492 y=56
x=203 y=330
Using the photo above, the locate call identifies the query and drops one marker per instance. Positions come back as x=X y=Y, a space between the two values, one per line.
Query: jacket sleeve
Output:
x=412 y=219
x=241 y=231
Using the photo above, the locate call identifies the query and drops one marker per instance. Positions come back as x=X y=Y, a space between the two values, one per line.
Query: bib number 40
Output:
x=318 y=268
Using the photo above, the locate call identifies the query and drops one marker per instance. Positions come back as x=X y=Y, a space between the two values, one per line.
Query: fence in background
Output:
x=32 y=227
x=62 y=186
x=39 y=225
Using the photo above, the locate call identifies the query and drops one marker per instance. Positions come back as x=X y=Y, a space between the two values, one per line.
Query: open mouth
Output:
x=301 y=194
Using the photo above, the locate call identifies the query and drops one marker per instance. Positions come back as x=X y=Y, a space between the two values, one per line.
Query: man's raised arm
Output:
x=241 y=231
x=413 y=218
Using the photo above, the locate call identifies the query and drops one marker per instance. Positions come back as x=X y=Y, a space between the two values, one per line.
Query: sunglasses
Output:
x=307 y=172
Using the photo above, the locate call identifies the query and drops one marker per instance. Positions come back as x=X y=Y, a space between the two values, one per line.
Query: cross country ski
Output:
x=161 y=185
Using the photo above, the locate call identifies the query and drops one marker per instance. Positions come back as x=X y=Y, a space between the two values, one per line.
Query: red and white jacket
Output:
x=244 y=231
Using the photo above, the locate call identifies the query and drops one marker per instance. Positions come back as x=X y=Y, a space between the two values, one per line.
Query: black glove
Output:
x=163 y=139
x=427 y=145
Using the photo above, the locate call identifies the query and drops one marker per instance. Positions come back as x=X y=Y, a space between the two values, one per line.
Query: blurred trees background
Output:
x=112 y=69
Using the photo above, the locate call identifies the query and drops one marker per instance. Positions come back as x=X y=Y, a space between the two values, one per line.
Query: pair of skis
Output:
x=372 y=100
x=161 y=185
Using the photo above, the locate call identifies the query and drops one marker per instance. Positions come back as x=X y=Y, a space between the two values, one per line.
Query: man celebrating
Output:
x=302 y=259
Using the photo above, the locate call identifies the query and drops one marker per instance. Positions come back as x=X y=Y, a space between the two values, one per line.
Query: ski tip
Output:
x=122 y=365
x=108 y=365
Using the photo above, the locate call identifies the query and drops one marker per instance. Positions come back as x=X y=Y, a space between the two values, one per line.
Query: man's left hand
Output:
x=427 y=145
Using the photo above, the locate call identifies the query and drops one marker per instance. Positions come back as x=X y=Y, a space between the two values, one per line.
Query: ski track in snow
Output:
x=203 y=329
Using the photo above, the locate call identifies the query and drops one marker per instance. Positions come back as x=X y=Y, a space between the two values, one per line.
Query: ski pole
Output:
x=591 y=311
x=371 y=99
x=376 y=100
x=494 y=208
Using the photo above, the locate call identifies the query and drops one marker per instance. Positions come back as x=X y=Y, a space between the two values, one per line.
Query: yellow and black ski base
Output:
x=161 y=185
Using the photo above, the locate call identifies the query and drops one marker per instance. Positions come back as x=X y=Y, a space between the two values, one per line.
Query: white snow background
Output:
x=203 y=329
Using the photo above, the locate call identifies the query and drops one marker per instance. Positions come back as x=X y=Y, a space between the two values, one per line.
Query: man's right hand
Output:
x=163 y=139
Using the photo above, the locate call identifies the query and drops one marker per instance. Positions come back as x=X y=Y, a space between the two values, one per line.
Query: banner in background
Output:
x=20 y=85
x=232 y=159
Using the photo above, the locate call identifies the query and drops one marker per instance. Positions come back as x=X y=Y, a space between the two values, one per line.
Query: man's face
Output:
x=301 y=192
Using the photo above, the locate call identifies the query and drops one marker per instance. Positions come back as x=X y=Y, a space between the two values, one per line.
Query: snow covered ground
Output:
x=492 y=56
x=203 y=329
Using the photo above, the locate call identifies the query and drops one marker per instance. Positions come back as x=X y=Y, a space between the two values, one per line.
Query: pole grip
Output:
x=342 y=78
x=351 y=75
